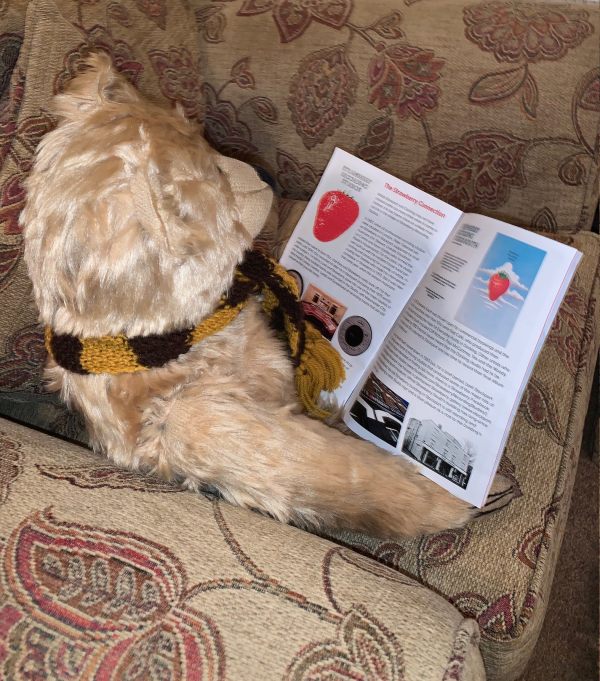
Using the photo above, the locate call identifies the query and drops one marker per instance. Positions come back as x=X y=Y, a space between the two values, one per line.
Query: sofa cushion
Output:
x=499 y=569
x=108 y=574
x=155 y=46
x=490 y=105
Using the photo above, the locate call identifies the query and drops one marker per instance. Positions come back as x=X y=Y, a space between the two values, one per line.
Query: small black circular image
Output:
x=297 y=276
x=355 y=335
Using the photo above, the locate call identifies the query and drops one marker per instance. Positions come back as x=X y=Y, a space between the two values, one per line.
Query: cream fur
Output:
x=134 y=224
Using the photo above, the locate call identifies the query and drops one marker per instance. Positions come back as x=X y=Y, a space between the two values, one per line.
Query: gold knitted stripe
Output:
x=109 y=355
x=217 y=321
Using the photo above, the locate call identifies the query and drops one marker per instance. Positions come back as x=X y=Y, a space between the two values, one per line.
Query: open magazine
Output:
x=438 y=315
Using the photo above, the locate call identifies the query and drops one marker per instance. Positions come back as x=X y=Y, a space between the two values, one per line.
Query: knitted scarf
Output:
x=318 y=365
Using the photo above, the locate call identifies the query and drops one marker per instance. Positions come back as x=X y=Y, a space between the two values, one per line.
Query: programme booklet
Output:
x=438 y=315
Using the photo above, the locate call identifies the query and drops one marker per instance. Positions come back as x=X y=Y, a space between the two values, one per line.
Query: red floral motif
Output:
x=211 y=23
x=364 y=650
x=293 y=17
x=497 y=619
x=321 y=93
x=526 y=31
x=241 y=74
x=297 y=180
x=375 y=144
x=571 y=171
x=12 y=200
x=111 y=603
x=24 y=355
x=98 y=38
x=475 y=173
x=531 y=543
x=589 y=98
x=402 y=79
x=88 y=477
x=10 y=467
x=390 y=553
x=222 y=127
x=567 y=331
x=374 y=565
x=539 y=408
x=442 y=548
x=508 y=469
x=10 y=254
x=179 y=78
x=10 y=45
x=544 y=220
x=155 y=10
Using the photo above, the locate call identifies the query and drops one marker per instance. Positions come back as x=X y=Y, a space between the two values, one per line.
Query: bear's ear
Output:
x=98 y=82
x=253 y=196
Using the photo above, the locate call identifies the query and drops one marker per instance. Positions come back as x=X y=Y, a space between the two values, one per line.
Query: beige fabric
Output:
x=138 y=574
x=489 y=104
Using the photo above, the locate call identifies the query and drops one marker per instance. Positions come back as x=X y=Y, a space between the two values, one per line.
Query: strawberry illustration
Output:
x=498 y=285
x=336 y=213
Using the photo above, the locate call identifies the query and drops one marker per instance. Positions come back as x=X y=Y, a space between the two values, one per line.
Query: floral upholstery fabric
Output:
x=493 y=105
x=499 y=569
x=109 y=575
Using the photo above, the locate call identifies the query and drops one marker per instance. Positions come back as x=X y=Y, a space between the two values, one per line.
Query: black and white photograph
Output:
x=429 y=444
x=380 y=410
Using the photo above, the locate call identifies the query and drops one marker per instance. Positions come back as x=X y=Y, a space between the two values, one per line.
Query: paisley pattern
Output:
x=475 y=173
x=10 y=464
x=567 y=331
x=293 y=17
x=403 y=78
x=539 y=407
x=321 y=94
x=437 y=550
x=496 y=618
x=523 y=34
x=531 y=543
x=106 y=475
x=364 y=650
x=25 y=353
x=112 y=602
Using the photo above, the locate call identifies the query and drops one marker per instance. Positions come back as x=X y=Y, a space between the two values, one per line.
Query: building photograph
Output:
x=427 y=443
x=380 y=410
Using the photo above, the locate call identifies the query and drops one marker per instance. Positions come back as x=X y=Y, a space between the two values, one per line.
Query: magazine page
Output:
x=359 y=251
x=445 y=386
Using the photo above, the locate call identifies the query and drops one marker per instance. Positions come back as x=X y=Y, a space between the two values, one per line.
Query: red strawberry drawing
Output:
x=498 y=285
x=336 y=213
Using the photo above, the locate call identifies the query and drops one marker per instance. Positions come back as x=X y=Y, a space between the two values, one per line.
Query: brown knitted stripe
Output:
x=67 y=351
x=261 y=268
x=156 y=350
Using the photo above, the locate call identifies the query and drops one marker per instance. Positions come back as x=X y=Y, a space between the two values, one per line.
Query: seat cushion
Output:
x=107 y=574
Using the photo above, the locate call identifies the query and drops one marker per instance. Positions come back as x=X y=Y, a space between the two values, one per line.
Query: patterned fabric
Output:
x=491 y=105
x=98 y=581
